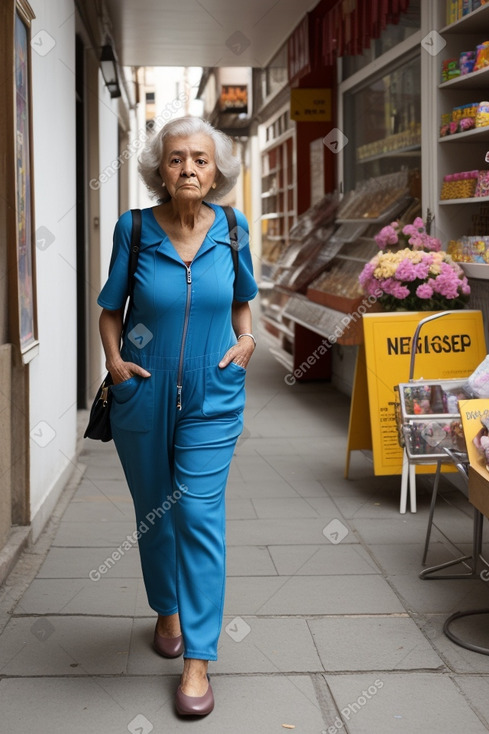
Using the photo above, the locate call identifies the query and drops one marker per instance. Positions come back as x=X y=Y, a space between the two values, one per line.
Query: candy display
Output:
x=390 y=143
x=459 y=185
x=377 y=197
x=464 y=117
x=469 y=249
x=466 y=62
x=341 y=278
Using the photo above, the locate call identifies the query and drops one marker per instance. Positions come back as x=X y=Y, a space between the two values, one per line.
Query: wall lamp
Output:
x=108 y=66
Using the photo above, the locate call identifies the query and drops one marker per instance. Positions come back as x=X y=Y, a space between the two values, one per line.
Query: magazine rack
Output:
x=410 y=423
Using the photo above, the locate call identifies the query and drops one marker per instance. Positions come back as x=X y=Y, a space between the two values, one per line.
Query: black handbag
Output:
x=98 y=427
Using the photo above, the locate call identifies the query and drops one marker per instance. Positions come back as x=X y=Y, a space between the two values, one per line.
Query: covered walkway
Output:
x=328 y=628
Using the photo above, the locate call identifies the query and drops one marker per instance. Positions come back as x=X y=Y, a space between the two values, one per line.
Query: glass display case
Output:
x=389 y=138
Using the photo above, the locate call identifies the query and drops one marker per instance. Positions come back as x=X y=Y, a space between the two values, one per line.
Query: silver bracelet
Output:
x=250 y=335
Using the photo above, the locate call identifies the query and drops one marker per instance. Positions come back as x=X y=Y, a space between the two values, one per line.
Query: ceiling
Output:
x=202 y=32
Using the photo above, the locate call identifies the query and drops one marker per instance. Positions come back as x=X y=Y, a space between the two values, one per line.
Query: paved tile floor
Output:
x=327 y=626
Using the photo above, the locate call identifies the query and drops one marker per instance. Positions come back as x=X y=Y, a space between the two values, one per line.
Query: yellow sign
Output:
x=310 y=105
x=449 y=347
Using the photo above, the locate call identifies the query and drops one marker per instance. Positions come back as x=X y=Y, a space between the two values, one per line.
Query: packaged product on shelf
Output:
x=469 y=110
x=482 y=187
x=452 y=11
x=449 y=69
x=482 y=58
x=466 y=123
x=445 y=121
x=482 y=117
x=459 y=185
x=466 y=62
x=378 y=197
x=461 y=118
x=469 y=249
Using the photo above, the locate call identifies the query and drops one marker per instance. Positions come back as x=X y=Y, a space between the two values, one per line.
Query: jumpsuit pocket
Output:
x=132 y=404
x=224 y=390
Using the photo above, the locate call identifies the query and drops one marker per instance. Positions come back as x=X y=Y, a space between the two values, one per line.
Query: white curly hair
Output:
x=228 y=165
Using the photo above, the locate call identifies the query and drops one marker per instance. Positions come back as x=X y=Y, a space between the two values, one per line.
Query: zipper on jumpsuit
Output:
x=184 y=336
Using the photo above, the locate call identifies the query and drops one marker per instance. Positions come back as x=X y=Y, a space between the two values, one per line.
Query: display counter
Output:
x=310 y=295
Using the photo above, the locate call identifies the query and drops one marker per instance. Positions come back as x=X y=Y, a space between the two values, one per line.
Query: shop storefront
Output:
x=383 y=154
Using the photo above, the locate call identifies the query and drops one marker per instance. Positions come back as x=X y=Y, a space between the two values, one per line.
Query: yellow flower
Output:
x=385 y=270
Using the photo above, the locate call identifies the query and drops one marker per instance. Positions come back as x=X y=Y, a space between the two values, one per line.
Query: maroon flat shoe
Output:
x=168 y=647
x=195 y=705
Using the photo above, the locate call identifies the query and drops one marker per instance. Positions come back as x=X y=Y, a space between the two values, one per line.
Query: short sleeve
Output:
x=245 y=288
x=114 y=293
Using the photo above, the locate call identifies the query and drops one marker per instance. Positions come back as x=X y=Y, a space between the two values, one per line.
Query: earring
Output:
x=163 y=185
x=213 y=185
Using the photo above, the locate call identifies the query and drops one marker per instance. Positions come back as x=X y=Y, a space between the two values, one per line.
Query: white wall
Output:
x=53 y=371
x=109 y=189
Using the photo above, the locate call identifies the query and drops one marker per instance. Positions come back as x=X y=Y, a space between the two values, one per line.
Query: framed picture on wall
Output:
x=25 y=297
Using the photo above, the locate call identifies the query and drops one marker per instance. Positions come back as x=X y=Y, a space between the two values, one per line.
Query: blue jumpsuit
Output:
x=175 y=431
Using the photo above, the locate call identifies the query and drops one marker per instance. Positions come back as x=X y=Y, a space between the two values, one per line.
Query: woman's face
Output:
x=188 y=168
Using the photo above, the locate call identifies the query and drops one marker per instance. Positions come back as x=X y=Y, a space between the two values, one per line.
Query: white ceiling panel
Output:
x=202 y=32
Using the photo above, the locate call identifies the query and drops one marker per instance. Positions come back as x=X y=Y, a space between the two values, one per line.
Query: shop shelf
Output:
x=476 y=270
x=364 y=220
x=475 y=80
x=475 y=22
x=409 y=152
x=476 y=135
x=331 y=300
x=471 y=200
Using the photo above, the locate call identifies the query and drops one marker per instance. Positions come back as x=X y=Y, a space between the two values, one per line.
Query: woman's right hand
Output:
x=121 y=371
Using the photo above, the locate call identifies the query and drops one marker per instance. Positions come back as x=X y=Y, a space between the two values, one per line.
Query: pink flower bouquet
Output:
x=413 y=235
x=416 y=278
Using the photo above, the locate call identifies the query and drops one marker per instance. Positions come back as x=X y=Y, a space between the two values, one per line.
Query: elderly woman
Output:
x=178 y=393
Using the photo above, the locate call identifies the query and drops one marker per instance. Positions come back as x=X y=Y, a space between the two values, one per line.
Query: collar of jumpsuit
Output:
x=218 y=234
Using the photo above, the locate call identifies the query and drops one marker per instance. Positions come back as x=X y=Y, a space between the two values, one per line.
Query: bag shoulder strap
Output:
x=233 y=236
x=133 y=259
x=135 y=245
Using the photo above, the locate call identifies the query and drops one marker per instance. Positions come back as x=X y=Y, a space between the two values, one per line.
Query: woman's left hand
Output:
x=240 y=353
